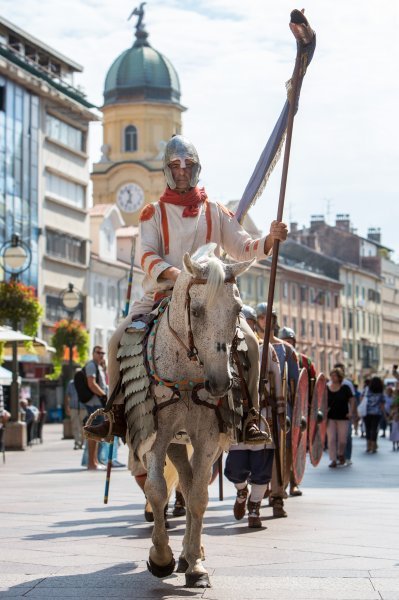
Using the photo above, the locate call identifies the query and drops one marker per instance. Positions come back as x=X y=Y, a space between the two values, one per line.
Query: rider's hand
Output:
x=170 y=274
x=278 y=231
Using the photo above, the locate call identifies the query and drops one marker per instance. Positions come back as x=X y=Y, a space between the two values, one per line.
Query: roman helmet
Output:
x=248 y=312
x=261 y=309
x=286 y=333
x=180 y=148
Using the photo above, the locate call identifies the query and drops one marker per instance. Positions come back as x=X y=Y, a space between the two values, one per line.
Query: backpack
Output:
x=82 y=389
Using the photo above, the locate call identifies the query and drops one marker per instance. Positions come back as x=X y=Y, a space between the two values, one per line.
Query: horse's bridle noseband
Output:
x=191 y=350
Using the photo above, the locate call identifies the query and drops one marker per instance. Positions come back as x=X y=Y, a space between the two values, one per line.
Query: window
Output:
x=344 y=318
x=357 y=321
x=285 y=289
x=350 y=320
x=294 y=324
x=350 y=350
x=349 y=290
x=2 y=98
x=261 y=287
x=64 y=133
x=249 y=285
x=293 y=292
x=311 y=294
x=111 y=302
x=303 y=327
x=98 y=337
x=321 y=330
x=312 y=329
x=357 y=292
x=65 y=246
x=336 y=300
x=336 y=333
x=328 y=298
x=303 y=293
x=98 y=293
x=363 y=293
x=66 y=190
x=285 y=321
x=130 y=140
x=328 y=332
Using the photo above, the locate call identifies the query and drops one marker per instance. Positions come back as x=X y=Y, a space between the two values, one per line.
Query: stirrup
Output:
x=253 y=413
x=100 y=412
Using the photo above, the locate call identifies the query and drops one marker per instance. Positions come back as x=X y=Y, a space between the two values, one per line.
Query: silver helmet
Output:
x=261 y=309
x=180 y=148
x=248 y=312
x=286 y=333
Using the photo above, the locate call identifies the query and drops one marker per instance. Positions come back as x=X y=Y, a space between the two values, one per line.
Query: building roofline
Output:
x=36 y=42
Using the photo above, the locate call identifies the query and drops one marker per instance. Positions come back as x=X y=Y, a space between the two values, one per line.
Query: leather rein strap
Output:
x=191 y=350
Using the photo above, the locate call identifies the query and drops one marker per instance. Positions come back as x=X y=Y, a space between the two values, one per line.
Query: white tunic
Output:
x=165 y=235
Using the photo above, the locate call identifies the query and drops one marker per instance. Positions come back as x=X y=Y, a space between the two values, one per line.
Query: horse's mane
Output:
x=213 y=271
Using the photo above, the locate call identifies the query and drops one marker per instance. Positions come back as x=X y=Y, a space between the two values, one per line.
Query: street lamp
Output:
x=70 y=300
x=16 y=255
x=16 y=258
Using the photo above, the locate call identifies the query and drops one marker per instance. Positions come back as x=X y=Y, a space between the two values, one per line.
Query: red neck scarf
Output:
x=191 y=200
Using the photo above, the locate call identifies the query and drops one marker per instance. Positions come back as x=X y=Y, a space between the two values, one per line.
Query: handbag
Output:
x=362 y=408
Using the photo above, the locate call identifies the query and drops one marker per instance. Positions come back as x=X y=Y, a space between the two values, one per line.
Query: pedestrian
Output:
x=4 y=418
x=77 y=412
x=98 y=386
x=31 y=416
x=375 y=410
x=350 y=384
x=341 y=407
x=394 y=418
x=384 y=422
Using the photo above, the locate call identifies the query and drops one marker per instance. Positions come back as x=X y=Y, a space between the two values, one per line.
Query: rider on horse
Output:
x=183 y=220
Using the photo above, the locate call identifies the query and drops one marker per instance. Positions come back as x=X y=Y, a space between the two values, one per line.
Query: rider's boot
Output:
x=115 y=425
x=252 y=434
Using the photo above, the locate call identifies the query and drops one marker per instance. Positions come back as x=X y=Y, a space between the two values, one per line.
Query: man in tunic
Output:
x=183 y=220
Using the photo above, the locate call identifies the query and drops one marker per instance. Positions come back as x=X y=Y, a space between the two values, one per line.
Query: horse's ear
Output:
x=236 y=269
x=188 y=265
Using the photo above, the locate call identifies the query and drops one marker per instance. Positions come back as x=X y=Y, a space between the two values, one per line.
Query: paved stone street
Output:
x=58 y=540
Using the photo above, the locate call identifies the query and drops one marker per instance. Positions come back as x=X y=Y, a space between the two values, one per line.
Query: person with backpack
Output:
x=96 y=384
x=375 y=410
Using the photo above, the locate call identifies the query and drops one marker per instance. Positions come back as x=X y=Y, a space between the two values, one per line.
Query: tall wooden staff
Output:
x=301 y=33
x=125 y=314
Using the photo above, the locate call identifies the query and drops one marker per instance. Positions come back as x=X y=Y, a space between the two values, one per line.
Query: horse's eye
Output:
x=195 y=312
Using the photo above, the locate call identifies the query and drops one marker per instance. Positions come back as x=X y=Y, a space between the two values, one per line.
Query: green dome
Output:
x=141 y=73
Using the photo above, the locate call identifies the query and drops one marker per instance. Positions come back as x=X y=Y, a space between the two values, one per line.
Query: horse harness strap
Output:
x=192 y=351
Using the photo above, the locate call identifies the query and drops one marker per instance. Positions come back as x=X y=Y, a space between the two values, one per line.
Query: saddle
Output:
x=145 y=394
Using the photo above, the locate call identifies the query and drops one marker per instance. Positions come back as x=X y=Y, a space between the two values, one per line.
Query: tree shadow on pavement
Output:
x=122 y=581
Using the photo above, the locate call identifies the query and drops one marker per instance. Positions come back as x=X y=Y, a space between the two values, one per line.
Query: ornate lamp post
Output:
x=70 y=299
x=16 y=258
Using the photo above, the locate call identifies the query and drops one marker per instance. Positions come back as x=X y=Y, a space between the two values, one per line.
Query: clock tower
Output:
x=141 y=112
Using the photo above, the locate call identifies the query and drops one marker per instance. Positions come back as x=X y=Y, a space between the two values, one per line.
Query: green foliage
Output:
x=69 y=334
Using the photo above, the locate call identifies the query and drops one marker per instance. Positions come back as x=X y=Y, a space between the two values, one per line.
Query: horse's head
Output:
x=212 y=303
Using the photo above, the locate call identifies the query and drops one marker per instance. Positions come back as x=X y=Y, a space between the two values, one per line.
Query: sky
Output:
x=233 y=59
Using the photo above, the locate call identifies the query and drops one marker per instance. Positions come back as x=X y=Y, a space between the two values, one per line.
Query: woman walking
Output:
x=341 y=408
x=375 y=410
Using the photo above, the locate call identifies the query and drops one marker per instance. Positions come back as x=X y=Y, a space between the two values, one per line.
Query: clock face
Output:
x=130 y=197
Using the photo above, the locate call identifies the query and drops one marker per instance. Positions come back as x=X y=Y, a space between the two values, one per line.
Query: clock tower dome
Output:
x=141 y=112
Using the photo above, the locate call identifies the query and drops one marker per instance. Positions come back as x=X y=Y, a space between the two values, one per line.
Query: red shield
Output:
x=299 y=426
x=318 y=420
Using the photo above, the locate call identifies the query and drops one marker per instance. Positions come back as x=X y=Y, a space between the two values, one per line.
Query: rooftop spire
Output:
x=141 y=33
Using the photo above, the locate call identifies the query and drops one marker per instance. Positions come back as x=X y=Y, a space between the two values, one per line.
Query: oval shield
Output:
x=299 y=426
x=318 y=420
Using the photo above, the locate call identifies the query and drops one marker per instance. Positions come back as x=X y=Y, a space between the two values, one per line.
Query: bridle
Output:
x=191 y=349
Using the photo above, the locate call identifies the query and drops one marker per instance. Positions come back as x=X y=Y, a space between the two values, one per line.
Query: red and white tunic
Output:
x=165 y=235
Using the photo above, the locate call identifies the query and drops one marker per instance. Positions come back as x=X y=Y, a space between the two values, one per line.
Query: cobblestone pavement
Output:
x=339 y=542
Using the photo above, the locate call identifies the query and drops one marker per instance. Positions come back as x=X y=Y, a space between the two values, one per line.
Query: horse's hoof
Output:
x=159 y=571
x=197 y=580
x=182 y=565
x=149 y=516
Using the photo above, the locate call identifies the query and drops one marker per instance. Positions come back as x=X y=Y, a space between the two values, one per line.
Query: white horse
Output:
x=192 y=344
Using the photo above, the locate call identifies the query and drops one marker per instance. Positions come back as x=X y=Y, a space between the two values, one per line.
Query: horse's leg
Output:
x=205 y=450
x=179 y=457
x=161 y=562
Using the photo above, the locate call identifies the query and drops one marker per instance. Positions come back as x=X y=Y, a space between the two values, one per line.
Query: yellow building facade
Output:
x=141 y=112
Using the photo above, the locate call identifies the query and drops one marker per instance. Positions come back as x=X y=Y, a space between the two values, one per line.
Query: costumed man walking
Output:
x=288 y=361
x=183 y=220
x=288 y=335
